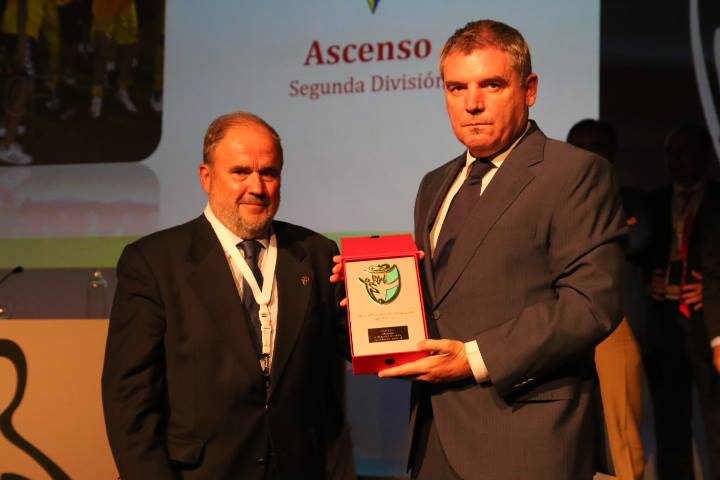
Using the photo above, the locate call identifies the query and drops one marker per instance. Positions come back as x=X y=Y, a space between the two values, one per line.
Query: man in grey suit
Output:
x=522 y=279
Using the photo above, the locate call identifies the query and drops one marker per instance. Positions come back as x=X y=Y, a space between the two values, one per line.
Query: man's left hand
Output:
x=692 y=293
x=337 y=276
x=716 y=358
x=447 y=362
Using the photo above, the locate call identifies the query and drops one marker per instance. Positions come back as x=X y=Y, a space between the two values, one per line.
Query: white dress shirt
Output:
x=218 y=226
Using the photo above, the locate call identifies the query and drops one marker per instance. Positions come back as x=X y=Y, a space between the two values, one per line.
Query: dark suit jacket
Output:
x=534 y=277
x=183 y=393
x=703 y=257
x=638 y=261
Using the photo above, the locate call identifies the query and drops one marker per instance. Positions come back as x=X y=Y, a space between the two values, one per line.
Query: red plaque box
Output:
x=385 y=306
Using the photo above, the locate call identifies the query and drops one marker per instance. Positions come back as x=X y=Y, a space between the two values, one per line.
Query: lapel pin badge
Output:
x=305 y=280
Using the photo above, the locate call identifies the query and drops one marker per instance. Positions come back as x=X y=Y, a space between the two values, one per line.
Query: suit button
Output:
x=261 y=461
x=436 y=314
x=267 y=406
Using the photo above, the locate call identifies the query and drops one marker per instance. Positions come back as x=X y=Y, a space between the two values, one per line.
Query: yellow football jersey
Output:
x=34 y=17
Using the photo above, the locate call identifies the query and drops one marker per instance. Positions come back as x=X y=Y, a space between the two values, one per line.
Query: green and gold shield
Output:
x=382 y=282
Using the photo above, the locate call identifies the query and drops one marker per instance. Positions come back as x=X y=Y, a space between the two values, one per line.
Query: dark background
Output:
x=647 y=80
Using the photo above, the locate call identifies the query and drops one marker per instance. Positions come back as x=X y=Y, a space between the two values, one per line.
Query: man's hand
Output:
x=337 y=272
x=657 y=285
x=447 y=362
x=338 y=276
x=692 y=293
x=716 y=358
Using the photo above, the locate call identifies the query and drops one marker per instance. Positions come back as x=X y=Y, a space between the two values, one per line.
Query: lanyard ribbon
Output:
x=262 y=296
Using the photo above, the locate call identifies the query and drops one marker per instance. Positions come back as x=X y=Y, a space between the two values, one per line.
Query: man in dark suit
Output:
x=522 y=279
x=684 y=325
x=222 y=357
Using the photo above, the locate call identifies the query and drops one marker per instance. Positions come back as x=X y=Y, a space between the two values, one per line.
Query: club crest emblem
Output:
x=382 y=282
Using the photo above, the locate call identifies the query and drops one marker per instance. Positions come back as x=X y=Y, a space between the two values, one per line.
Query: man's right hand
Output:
x=658 y=288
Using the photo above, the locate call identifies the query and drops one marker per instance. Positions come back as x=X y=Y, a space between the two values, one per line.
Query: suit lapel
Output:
x=440 y=188
x=512 y=177
x=293 y=298
x=213 y=281
x=437 y=188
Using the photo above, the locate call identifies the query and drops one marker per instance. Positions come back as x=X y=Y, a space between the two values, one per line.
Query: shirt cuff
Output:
x=477 y=364
x=715 y=342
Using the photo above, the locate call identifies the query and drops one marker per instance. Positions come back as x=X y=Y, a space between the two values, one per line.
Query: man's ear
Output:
x=531 y=86
x=204 y=174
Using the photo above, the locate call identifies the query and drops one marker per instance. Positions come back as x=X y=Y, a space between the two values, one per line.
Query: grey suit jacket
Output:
x=534 y=278
x=183 y=393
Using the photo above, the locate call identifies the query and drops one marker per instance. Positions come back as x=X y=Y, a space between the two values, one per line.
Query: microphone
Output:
x=12 y=272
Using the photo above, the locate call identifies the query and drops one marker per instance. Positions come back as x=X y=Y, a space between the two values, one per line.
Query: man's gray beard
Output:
x=247 y=230
x=244 y=229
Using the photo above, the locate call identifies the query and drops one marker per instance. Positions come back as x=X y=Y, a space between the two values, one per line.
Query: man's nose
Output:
x=255 y=184
x=474 y=100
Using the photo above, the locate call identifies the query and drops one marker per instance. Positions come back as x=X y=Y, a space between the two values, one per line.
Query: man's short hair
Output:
x=490 y=34
x=693 y=131
x=597 y=136
x=218 y=127
x=599 y=129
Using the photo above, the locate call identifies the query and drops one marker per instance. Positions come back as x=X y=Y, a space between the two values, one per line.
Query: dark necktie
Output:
x=465 y=199
x=251 y=250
